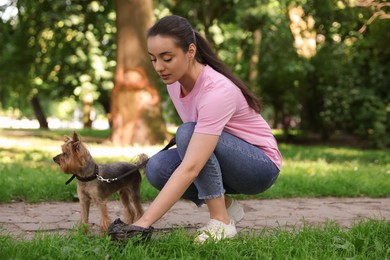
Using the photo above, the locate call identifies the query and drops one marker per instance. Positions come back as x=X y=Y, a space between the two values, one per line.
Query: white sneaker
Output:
x=216 y=230
x=235 y=211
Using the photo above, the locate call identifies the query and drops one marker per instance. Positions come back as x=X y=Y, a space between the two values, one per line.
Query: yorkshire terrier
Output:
x=97 y=182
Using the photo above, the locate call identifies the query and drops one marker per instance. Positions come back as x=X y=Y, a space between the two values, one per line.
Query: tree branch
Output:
x=378 y=12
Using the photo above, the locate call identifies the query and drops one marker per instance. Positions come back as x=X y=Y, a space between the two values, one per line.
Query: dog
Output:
x=96 y=182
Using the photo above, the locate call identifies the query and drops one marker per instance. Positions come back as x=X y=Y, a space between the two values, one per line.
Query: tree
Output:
x=65 y=50
x=56 y=50
x=135 y=103
x=347 y=89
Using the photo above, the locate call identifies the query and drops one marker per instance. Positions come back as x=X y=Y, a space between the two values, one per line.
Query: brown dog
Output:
x=97 y=182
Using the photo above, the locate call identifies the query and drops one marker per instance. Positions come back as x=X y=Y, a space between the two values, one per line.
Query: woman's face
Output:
x=170 y=62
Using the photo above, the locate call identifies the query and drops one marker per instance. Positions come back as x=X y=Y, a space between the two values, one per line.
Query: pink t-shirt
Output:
x=216 y=104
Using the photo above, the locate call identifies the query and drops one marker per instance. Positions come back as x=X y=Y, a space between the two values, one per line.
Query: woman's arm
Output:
x=199 y=150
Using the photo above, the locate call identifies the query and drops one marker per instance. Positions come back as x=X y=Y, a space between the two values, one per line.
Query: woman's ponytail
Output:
x=206 y=55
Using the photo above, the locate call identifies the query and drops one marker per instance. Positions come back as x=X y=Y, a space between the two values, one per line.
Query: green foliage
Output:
x=57 y=49
x=62 y=49
x=281 y=69
x=354 y=103
x=346 y=90
x=364 y=240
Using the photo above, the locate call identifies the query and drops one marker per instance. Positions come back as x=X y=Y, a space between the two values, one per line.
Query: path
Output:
x=59 y=217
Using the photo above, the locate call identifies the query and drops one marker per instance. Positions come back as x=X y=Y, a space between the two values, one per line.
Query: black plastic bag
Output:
x=122 y=232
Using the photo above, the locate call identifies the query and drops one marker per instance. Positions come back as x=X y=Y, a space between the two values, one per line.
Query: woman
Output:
x=224 y=145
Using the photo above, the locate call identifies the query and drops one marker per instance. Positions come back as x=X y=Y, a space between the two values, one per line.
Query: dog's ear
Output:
x=76 y=142
x=68 y=139
x=77 y=145
x=76 y=137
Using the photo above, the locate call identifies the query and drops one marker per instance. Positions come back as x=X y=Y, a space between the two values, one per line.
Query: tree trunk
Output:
x=87 y=110
x=135 y=103
x=255 y=58
x=39 y=114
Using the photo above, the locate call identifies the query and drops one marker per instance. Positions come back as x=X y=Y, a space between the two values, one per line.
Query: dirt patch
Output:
x=23 y=219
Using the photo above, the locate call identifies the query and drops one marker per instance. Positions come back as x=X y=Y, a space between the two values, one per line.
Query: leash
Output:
x=84 y=179
x=95 y=175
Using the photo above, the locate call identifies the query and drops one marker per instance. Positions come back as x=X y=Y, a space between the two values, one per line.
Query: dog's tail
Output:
x=142 y=160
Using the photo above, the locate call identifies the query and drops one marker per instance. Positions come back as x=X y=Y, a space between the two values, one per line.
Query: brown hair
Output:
x=182 y=32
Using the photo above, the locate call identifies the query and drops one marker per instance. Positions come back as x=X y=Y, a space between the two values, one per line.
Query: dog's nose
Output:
x=56 y=158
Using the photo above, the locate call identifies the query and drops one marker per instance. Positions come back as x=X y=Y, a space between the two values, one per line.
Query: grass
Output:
x=318 y=171
x=28 y=173
x=365 y=240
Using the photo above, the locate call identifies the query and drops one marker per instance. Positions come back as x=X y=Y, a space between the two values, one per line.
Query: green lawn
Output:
x=365 y=240
x=28 y=173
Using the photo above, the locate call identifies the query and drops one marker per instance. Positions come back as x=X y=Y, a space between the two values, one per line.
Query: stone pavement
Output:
x=24 y=219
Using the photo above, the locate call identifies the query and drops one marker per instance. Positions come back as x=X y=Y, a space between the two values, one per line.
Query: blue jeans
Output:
x=235 y=167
